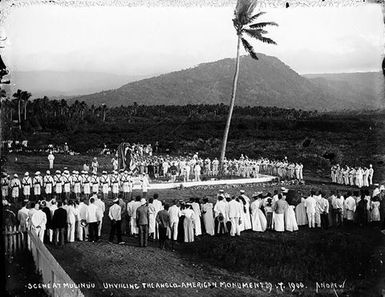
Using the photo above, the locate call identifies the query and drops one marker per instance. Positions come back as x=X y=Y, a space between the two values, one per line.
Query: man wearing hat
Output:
x=27 y=185
x=15 y=188
x=37 y=185
x=48 y=185
x=114 y=214
x=66 y=178
x=370 y=174
x=51 y=158
x=142 y=221
x=95 y=165
x=105 y=183
x=86 y=183
x=246 y=216
x=95 y=183
x=76 y=182
x=58 y=183
x=114 y=180
x=234 y=214
x=4 y=185
x=126 y=185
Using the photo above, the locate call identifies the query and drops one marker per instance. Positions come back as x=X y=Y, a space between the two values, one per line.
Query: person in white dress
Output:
x=300 y=213
x=208 y=216
x=197 y=218
x=375 y=211
x=290 y=219
x=258 y=219
x=247 y=217
x=188 y=223
x=151 y=218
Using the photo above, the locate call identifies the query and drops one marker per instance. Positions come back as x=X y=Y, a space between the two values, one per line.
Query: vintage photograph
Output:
x=193 y=148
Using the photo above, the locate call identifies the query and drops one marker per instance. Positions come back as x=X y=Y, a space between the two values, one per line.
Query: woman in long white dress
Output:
x=151 y=217
x=290 y=220
x=258 y=219
x=188 y=224
x=375 y=211
x=208 y=216
x=300 y=213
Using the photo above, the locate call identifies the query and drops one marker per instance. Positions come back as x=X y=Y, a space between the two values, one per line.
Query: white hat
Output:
x=382 y=188
x=58 y=171
x=376 y=192
x=242 y=191
x=143 y=201
x=115 y=200
x=15 y=175
x=26 y=174
x=48 y=172
x=104 y=172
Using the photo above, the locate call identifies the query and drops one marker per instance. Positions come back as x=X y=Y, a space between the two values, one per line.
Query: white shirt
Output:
x=39 y=219
x=221 y=207
x=350 y=204
x=115 y=212
x=234 y=210
x=101 y=205
x=82 y=209
x=92 y=213
x=310 y=204
x=174 y=213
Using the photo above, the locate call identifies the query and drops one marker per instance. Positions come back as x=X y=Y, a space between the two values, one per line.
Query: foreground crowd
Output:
x=66 y=220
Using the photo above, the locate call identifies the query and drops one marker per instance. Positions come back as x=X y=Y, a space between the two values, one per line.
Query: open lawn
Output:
x=262 y=264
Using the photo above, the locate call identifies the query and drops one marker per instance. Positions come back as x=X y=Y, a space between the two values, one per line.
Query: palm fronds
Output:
x=248 y=47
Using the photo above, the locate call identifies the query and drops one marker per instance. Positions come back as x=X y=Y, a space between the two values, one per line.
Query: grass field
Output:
x=354 y=257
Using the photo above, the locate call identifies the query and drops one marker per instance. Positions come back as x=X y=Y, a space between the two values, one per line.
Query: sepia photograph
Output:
x=193 y=148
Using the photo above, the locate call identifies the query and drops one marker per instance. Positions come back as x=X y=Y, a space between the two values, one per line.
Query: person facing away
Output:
x=115 y=215
x=92 y=218
x=310 y=206
x=142 y=221
x=59 y=223
x=163 y=221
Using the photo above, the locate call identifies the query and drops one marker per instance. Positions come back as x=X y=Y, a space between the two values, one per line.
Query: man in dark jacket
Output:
x=59 y=223
x=142 y=222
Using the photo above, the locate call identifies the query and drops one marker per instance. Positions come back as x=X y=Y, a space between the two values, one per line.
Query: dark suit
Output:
x=142 y=222
x=59 y=223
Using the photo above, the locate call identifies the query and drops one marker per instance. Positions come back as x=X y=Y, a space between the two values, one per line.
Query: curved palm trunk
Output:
x=19 y=113
x=25 y=110
x=232 y=102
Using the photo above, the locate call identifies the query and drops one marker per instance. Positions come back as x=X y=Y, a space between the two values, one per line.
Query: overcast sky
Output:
x=142 y=41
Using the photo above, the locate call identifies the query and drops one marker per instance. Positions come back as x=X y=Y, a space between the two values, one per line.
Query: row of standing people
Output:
x=352 y=176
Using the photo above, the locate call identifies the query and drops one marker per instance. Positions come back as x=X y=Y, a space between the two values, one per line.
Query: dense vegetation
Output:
x=316 y=139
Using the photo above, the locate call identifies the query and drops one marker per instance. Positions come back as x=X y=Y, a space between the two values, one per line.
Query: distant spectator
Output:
x=51 y=158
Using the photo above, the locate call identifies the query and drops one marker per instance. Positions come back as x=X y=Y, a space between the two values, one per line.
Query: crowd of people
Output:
x=59 y=220
x=352 y=176
x=192 y=168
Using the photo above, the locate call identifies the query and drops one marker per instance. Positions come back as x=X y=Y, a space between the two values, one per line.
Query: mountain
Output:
x=62 y=84
x=266 y=82
x=368 y=86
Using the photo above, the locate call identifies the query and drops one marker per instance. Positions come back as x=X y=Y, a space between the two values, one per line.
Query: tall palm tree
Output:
x=18 y=96
x=245 y=25
x=25 y=97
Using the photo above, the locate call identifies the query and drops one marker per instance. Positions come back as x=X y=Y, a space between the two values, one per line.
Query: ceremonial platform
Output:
x=213 y=182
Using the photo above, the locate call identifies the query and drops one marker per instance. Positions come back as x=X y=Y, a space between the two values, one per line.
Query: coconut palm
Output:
x=245 y=25
x=18 y=96
x=25 y=97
